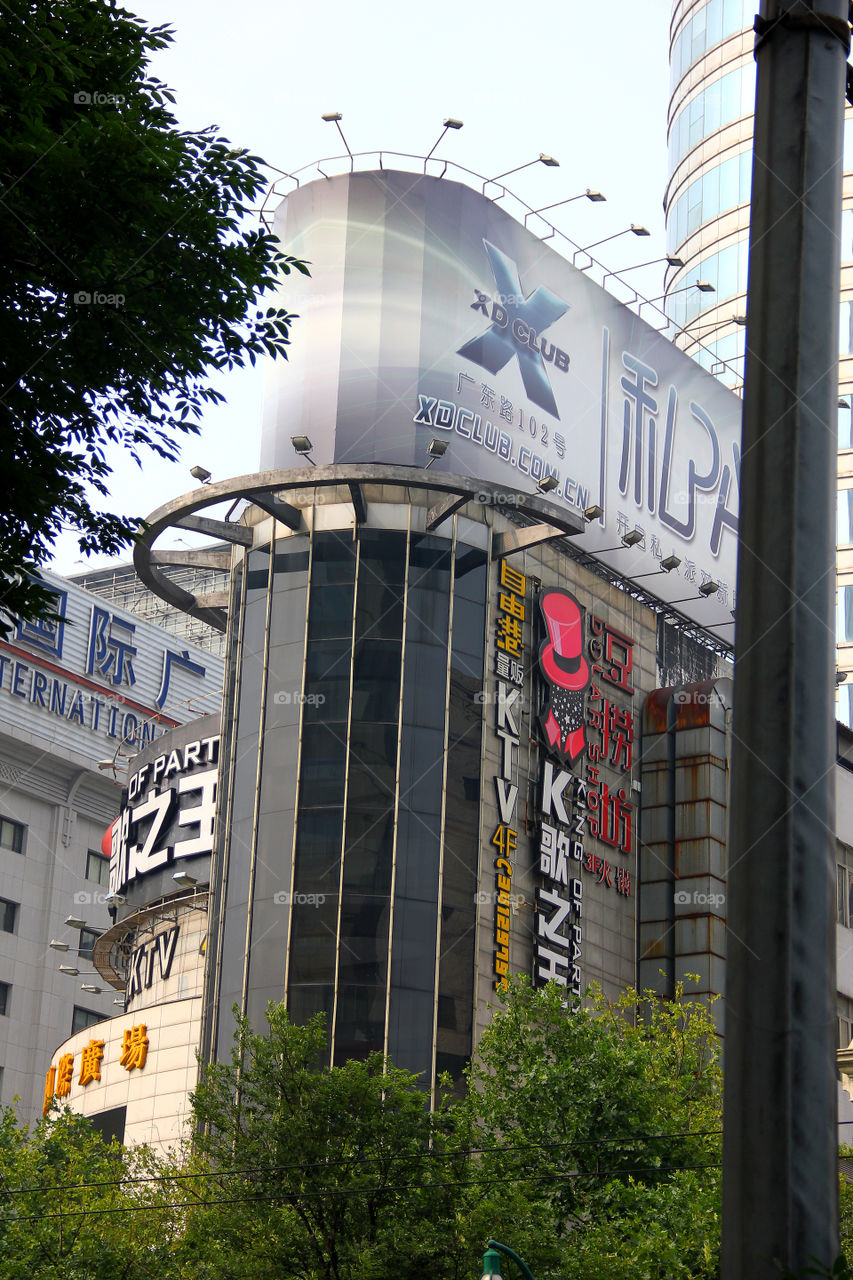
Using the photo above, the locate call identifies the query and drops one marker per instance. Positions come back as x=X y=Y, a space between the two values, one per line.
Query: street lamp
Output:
x=492 y=1261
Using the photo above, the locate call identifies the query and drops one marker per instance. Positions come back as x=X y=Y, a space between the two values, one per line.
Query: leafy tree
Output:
x=610 y=1116
x=128 y=275
x=71 y=1210
x=343 y=1173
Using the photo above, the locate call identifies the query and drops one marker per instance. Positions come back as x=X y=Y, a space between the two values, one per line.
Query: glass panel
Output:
x=373 y=766
x=327 y=677
x=314 y=928
x=323 y=764
x=304 y=1001
x=845 y=423
x=318 y=850
x=360 y=1026
x=376 y=681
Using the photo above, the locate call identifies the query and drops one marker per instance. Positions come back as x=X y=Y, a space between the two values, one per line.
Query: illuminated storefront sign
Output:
x=557 y=945
x=133 y=1056
x=155 y=955
x=509 y=671
x=587 y=728
x=171 y=805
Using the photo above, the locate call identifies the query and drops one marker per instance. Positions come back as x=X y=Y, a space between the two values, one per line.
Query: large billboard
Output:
x=430 y=312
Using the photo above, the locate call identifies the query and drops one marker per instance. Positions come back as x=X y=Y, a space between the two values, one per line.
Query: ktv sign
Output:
x=430 y=311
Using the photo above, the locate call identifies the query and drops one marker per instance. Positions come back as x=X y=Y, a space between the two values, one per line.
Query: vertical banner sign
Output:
x=558 y=937
x=509 y=672
x=587 y=728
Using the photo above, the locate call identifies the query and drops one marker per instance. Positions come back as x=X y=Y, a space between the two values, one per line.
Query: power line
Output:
x=303 y=1166
x=287 y=1196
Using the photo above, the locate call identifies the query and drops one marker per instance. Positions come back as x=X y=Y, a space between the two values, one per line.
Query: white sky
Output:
x=585 y=83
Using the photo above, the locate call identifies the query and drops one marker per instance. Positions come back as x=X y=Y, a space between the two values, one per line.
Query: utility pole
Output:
x=780 y=1138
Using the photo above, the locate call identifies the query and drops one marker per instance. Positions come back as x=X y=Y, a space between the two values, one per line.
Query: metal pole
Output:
x=780 y=1142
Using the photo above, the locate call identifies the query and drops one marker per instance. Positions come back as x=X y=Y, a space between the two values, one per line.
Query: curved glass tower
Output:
x=710 y=124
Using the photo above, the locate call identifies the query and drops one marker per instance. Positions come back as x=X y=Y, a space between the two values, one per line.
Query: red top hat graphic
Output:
x=561 y=656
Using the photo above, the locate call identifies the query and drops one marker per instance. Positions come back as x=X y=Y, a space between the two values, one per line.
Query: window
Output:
x=88 y=938
x=82 y=1018
x=97 y=867
x=5 y=992
x=844 y=518
x=8 y=915
x=844 y=885
x=844 y=615
x=11 y=835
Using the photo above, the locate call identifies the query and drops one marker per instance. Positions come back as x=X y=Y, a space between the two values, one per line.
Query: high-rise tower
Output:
x=710 y=125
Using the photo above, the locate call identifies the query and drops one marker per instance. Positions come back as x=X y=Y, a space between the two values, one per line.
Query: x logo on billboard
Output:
x=517 y=322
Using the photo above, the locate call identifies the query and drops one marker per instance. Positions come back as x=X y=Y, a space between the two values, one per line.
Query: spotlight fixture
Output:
x=841 y=676
x=547 y=484
x=90 y=987
x=450 y=123
x=115 y=899
x=201 y=474
x=639 y=230
x=335 y=118
x=69 y=969
x=709 y=588
x=670 y=563
x=183 y=880
x=73 y=923
x=595 y=512
x=303 y=447
x=435 y=449
x=58 y=946
x=632 y=537
x=549 y=161
x=704 y=286
x=672 y=260
x=595 y=196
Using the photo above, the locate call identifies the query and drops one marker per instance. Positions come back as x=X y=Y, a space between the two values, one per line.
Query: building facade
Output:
x=78 y=698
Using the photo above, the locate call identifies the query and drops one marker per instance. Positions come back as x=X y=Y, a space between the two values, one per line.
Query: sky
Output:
x=587 y=84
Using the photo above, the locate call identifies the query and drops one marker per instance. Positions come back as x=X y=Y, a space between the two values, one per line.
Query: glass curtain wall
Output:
x=350 y=872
